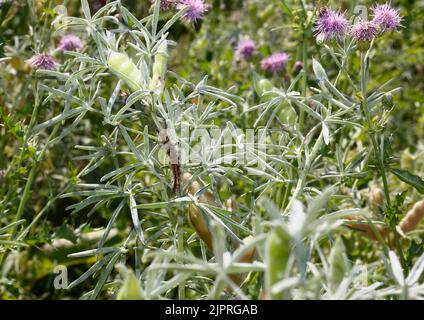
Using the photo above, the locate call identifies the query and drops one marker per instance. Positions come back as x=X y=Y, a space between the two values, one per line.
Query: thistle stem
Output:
x=371 y=131
x=377 y=151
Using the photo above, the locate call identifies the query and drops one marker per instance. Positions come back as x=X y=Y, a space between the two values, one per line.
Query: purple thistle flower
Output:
x=331 y=25
x=166 y=5
x=70 y=42
x=245 y=49
x=275 y=62
x=42 y=61
x=195 y=9
x=386 y=17
x=364 y=31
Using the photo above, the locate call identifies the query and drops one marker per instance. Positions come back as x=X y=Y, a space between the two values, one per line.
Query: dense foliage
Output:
x=190 y=149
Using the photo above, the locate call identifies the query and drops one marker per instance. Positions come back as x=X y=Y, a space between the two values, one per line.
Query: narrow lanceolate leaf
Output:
x=94 y=268
x=326 y=133
x=86 y=9
x=416 y=271
x=135 y=219
x=318 y=70
x=161 y=205
x=12 y=225
x=105 y=275
x=396 y=268
x=410 y=179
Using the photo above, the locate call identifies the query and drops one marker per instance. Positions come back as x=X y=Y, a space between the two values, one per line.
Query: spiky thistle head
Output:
x=331 y=25
x=364 y=31
x=275 y=62
x=70 y=42
x=386 y=17
x=245 y=49
x=195 y=9
x=42 y=61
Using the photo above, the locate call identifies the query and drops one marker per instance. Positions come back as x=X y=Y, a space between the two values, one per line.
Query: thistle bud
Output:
x=125 y=69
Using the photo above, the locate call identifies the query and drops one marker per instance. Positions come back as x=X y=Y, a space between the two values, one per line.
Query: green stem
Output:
x=305 y=171
x=377 y=152
x=31 y=177
x=371 y=131
x=304 y=77
x=181 y=287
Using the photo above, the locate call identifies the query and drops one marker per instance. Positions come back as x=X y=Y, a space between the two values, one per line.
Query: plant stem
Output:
x=181 y=287
x=370 y=129
x=377 y=151
x=304 y=77
x=305 y=171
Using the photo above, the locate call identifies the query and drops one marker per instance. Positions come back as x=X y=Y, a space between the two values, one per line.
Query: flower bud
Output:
x=363 y=46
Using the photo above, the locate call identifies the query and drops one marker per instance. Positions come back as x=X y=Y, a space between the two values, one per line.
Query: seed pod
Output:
x=131 y=289
x=277 y=256
x=125 y=69
x=376 y=198
x=263 y=86
x=199 y=224
x=288 y=115
x=338 y=264
x=207 y=197
x=247 y=257
x=159 y=66
x=195 y=217
x=266 y=13
x=372 y=232
x=413 y=217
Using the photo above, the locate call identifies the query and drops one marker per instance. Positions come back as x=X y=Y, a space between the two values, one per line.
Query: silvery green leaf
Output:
x=396 y=268
x=86 y=9
x=135 y=219
x=416 y=271
x=94 y=268
x=318 y=70
x=326 y=133
x=105 y=275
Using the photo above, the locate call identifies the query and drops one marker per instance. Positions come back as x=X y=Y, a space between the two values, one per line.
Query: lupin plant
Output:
x=263 y=179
